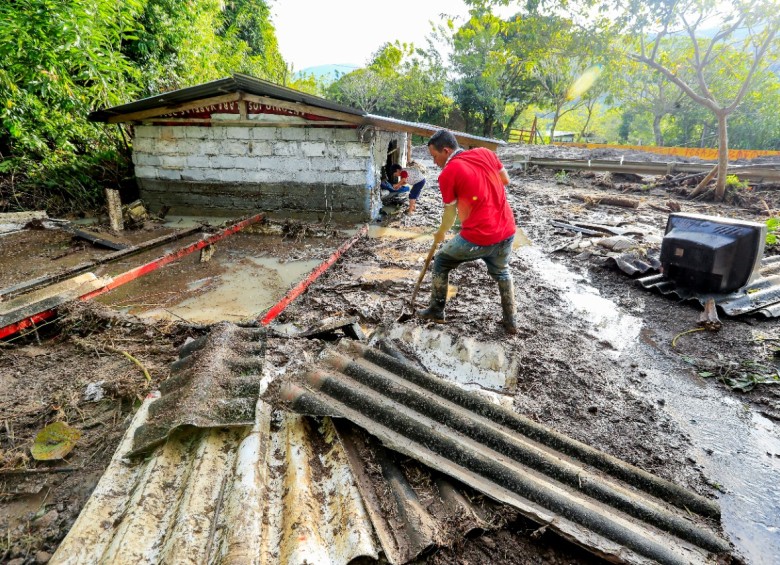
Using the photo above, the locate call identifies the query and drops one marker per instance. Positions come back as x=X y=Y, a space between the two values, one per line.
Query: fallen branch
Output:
x=87 y=345
x=37 y=471
x=701 y=187
x=608 y=200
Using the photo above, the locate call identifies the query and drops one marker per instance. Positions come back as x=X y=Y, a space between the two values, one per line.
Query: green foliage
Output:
x=60 y=59
x=562 y=177
x=744 y=375
x=772 y=230
x=733 y=183
x=399 y=81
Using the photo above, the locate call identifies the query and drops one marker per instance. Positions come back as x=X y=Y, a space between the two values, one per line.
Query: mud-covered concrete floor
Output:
x=593 y=359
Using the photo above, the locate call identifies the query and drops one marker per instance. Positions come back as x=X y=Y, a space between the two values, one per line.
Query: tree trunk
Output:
x=511 y=123
x=552 y=127
x=723 y=156
x=659 y=138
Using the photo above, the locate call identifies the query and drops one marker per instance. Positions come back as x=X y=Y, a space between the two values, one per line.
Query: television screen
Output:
x=711 y=254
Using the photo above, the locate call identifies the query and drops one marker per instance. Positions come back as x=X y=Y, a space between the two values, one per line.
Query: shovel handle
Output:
x=422 y=273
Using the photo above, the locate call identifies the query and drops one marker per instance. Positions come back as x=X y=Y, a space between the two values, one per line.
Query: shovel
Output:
x=409 y=315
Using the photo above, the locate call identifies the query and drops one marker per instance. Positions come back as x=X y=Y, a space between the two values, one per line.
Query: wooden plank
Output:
x=40 y=281
x=305 y=109
x=162 y=110
x=98 y=241
x=247 y=123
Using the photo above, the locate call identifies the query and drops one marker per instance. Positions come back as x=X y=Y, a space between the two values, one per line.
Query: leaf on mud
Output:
x=706 y=374
x=54 y=441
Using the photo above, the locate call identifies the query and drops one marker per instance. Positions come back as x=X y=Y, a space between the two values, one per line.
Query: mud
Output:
x=593 y=358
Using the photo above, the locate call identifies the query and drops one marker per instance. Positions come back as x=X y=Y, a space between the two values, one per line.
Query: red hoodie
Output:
x=472 y=178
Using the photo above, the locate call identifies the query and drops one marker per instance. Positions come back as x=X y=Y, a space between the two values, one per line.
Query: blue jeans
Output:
x=414 y=194
x=458 y=250
x=384 y=185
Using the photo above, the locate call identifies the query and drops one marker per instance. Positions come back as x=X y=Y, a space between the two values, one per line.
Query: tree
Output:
x=59 y=59
x=493 y=59
x=644 y=90
x=365 y=89
x=399 y=81
x=748 y=28
x=757 y=22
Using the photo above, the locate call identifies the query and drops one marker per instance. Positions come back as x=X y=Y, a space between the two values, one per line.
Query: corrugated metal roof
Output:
x=238 y=82
x=762 y=296
x=214 y=384
x=423 y=129
x=546 y=476
x=278 y=492
x=285 y=489
x=245 y=83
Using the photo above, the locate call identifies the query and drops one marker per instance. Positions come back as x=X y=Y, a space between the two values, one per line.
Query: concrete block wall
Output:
x=313 y=173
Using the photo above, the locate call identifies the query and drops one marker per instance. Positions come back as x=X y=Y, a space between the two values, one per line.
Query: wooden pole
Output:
x=114 y=204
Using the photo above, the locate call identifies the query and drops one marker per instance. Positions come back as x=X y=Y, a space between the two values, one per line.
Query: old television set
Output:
x=710 y=254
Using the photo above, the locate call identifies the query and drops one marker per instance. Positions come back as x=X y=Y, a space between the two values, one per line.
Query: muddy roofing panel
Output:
x=599 y=502
x=238 y=82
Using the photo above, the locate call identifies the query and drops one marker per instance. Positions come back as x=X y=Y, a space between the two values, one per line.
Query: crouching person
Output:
x=472 y=185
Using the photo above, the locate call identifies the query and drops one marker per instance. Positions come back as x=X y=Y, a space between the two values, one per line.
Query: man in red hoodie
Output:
x=472 y=185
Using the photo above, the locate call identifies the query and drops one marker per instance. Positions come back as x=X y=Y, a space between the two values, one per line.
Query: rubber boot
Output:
x=435 y=311
x=508 y=310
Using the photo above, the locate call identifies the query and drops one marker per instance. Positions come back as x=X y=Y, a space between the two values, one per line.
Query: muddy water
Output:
x=606 y=323
x=248 y=287
x=737 y=449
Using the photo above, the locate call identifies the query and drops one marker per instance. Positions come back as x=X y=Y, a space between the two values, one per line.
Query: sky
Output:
x=317 y=32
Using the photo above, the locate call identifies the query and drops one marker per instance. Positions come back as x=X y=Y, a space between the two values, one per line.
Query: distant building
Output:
x=242 y=145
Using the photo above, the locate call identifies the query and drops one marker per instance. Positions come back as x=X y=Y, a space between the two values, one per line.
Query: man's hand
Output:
x=438 y=237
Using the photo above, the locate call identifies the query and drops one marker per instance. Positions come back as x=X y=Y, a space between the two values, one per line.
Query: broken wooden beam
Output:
x=96 y=240
x=132 y=274
x=708 y=319
x=592 y=199
x=72 y=271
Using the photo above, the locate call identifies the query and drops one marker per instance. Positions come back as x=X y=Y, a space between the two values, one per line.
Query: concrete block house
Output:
x=241 y=145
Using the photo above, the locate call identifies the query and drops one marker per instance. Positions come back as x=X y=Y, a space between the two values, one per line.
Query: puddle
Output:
x=736 y=448
x=245 y=290
x=376 y=232
x=608 y=324
x=474 y=364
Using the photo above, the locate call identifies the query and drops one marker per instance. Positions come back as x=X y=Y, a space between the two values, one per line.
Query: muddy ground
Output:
x=607 y=375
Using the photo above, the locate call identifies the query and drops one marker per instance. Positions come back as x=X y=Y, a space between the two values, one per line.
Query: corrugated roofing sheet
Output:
x=284 y=489
x=214 y=384
x=761 y=297
x=278 y=492
x=245 y=83
x=238 y=82
x=546 y=476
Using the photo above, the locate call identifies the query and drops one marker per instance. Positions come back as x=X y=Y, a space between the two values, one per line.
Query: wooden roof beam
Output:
x=162 y=110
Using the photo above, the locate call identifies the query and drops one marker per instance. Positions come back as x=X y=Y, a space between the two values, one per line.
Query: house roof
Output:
x=241 y=83
x=237 y=83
